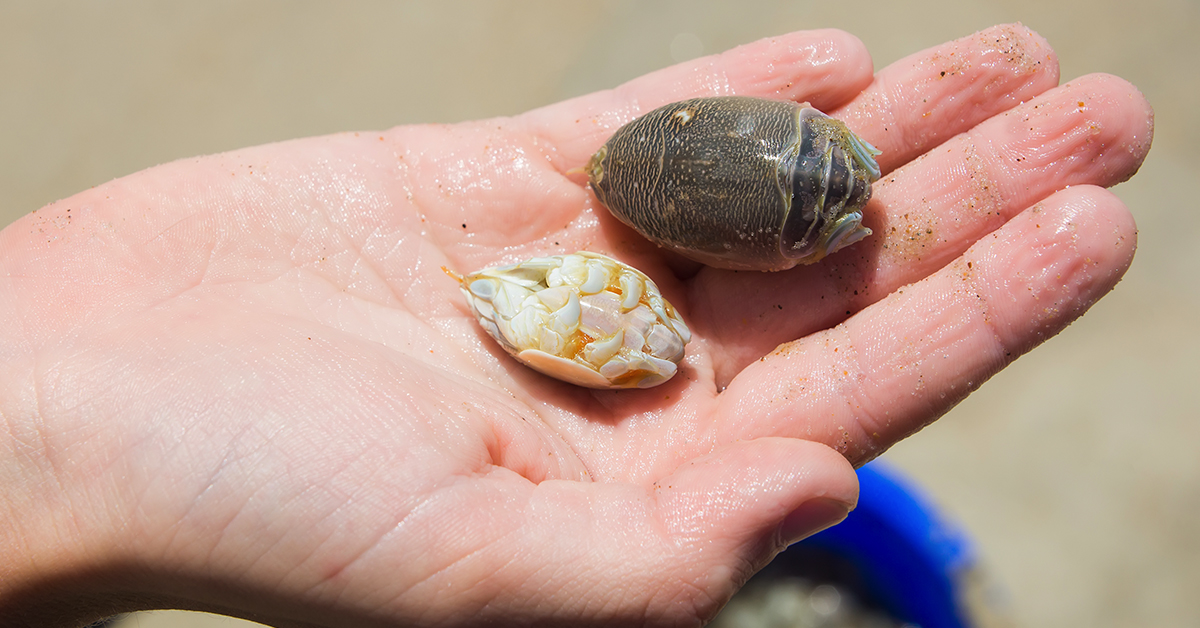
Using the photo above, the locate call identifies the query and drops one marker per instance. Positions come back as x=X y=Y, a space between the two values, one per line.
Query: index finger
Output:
x=824 y=67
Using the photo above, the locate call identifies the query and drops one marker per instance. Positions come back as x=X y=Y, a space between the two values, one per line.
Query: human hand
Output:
x=242 y=383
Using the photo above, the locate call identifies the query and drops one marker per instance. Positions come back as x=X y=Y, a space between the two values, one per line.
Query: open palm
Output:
x=244 y=383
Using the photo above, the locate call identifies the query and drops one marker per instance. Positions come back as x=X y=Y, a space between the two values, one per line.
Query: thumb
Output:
x=594 y=553
x=746 y=502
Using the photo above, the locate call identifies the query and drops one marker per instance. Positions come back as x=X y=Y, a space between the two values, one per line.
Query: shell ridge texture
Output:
x=583 y=318
x=737 y=182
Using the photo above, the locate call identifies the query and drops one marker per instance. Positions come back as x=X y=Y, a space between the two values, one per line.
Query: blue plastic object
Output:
x=898 y=551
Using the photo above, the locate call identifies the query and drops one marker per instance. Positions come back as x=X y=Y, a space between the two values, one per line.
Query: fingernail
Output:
x=811 y=517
